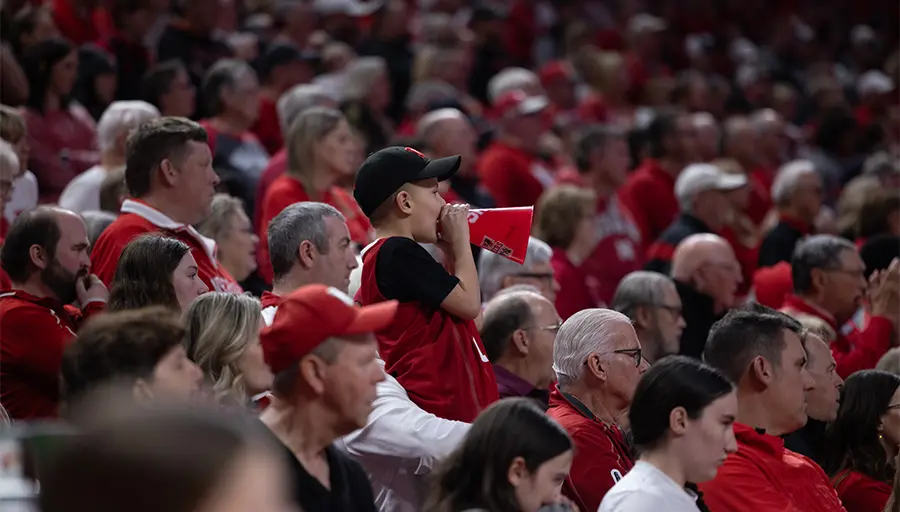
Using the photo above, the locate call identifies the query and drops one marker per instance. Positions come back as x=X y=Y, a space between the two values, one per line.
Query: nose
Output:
x=808 y=383
x=730 y=441
x=681 y=323
x=202 y=288
x=353 y=263
x=255 y=239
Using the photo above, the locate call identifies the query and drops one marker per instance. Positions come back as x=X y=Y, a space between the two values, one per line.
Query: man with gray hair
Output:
x=702 y=192
x=797 y=193
x=652 y=303
x=830 y=284
x=518 y=333
x=309 y=243
x=496 y=272
x=598 y=363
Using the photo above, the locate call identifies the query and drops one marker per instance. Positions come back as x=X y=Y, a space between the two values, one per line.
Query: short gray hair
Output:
x=816 y=252
x=584 y=333
x=787 y=178
x=223 y=208
x=510 y=79
x=360 y=77
x=503 y=316
x=297 y=100
x=120 y=118
x=296 y=224
x=493 y=268
x=640 y=288
x=426 y=125
x=224 y=73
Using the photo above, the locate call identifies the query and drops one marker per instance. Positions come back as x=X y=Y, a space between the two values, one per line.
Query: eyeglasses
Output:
x=858 y=274
x=675 y=310
x=541 y=276
x=633 y=352
x=554 y=328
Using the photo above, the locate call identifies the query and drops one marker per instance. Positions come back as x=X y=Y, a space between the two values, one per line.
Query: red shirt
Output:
x=81 y=30
x=267 y=127
x=513 y=177
x=649 y=195
x=771 y=285
x=602 y=456
x=861 y=493
x=765 y=476
x=437 y=357
x=33 y=334
x=137 y=219
x=574 y=293
x=760 y=202
x=287 y=190
x=276 y=167
x=617 y=251
x=857 y=350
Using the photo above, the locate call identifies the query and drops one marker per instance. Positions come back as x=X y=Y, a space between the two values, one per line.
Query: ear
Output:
x=518 y=472
x=762 y=372
x=819 y=278
x=167 y=173
x=643 y=317
x=520 y=341
x=403 y=201
x=678 y=420
x=312 y=370
x=39 y=256
x=142 y=391
x=596 y=367
x=306 y=253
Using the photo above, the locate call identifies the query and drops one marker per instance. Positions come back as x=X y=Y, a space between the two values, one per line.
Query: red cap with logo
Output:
x=310 y=315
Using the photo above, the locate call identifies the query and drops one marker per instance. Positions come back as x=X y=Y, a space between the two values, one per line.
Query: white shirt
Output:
x=24 y=196
x=647 y=489
x=82 y=194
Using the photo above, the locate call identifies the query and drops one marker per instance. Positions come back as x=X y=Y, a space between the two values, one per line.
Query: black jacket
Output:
x=699 y=312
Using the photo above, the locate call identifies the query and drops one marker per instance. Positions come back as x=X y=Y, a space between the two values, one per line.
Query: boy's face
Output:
x=425 y=203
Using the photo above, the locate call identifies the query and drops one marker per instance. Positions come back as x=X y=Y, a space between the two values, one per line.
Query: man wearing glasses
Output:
x=652 y=303
x=598 y=362
x=496 y=273
x=519 y=331
x=830 y=283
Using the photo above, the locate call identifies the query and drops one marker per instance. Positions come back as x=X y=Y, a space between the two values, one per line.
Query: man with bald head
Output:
x=598 y=363
x=519 y=329
x=448 y=132
x=47 y=257
x=707 y=275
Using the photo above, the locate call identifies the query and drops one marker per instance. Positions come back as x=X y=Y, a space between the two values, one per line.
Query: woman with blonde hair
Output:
x=223 y=340
x=322 y=152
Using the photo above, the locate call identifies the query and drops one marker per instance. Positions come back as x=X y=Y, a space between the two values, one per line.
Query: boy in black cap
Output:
x=432 y=347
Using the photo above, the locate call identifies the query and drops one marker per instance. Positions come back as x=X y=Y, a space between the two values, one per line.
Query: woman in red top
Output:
x=862 y=443
x=322 y=153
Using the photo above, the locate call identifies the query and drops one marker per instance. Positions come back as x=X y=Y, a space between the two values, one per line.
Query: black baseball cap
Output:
x=386 y=170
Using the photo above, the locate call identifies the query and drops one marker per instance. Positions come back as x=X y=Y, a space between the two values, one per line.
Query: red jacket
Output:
x=437 y=357
x=861 y=493
x=649 y=194
x=602 y=455
x=512 y=176
x=764 y=476
x=859 y=350
x=277 y=166
x=267 y=127
x=137 y=219
x=33 y=334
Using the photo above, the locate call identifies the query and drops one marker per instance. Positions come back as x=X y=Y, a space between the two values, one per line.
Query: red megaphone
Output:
x=503 y=231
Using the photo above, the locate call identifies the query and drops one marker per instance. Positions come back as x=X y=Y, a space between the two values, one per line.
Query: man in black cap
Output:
x=432 y=347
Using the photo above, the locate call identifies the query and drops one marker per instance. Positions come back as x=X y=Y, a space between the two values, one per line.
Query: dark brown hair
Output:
x=34 y=227
x=161 y=139
x=144 y=273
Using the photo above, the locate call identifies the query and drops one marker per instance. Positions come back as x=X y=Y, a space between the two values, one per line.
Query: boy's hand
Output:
x=454 y=221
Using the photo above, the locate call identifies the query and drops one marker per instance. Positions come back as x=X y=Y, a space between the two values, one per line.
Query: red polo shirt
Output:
x=287 y=190
x=436 y=356
x=138 y=218
x=859 y=350
x=33 y=334
x=602 y=455
x=649 y=194
x=861 y=493
x=765 y=476
x=512 y=176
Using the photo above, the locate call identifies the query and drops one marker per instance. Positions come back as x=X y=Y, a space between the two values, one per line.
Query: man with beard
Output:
x=47 y=257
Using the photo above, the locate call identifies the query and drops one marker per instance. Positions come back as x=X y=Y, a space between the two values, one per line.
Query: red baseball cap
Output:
x=312 y=314
x=555 y=71
x=519 y=103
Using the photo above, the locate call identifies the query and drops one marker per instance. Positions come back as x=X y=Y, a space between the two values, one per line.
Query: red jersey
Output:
x=437 y=357
x=763 y=475
x=602 y=455
x=33 y=334
x=138 y=218
x=649 y=195
x=861 y=493
x=287 y=190
x=512 y=176
x=617 y=252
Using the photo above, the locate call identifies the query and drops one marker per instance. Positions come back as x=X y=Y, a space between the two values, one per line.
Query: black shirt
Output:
x=778 y=245
x=350 y=487
x=404 y=271
x=698 y=310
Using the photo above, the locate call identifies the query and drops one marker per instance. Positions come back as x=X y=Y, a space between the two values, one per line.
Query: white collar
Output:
x=162 y=221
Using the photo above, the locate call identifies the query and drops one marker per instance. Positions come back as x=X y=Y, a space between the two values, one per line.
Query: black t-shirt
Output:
x=404 y=271
x=350 y=487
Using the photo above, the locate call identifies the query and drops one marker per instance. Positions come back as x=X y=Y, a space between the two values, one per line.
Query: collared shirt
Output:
x=137 y=219
x=400 y=445
x=647 y=489
x=34 y=332
x=270 y=303
x=764 y=476
x=509 y=384
x=602 y=454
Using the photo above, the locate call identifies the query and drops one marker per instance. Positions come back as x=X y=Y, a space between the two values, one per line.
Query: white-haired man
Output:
x=496 y=272
x=598 y=363
x=118 y=120
x=797 y=193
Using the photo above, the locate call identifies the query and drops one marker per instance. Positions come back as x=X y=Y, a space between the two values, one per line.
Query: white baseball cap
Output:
x=697 y=178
